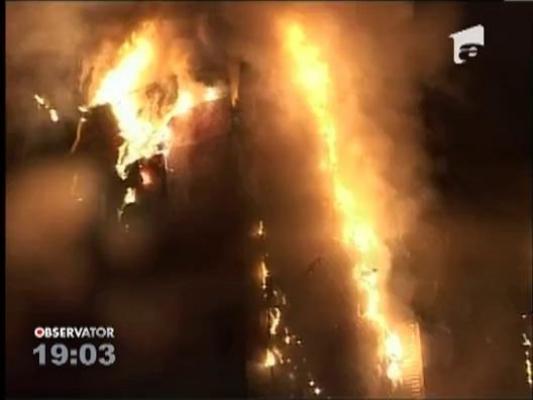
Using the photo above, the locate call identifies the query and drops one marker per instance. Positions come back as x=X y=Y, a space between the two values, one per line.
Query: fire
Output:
x=130 y=196
x=270 y=359
x=259 y=230
x=53 y=115
x=144 y=102
x=527 y=344
x=529 y=373
x=184 y=105
x=393 y=354
x=43 y=103
x=274 y=316
x=264 y=274
x=311 y=74
x=143 y=136
x=234 y=75
x=146 y=177
x=211 y=94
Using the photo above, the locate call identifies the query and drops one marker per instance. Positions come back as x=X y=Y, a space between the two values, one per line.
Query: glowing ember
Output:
x=146 y=177
x=281 y=342
x=264 y=275
x=53 y=115
x=527 y=344
x=234 y=73
x=40 y=100
x=259 y=231
x=528 y=372
x=130 y=196
x=211 y=94
x=274 y=316
x=43 y=103
x=312 y=76
x=270 y=359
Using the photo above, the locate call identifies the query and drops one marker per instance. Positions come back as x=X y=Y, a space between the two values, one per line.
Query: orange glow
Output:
x=211 y=94
x=527 y=344
x=312 y=76
x=270 y=359
x=185 y=103
x=128 y=86
x=43 y=103
x=264 y=274
x=146 y=177
x=53 y=115
x=274 y=316
x=259 y=230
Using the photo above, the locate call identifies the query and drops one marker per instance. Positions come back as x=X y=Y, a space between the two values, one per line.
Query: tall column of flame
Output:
x=311 y=75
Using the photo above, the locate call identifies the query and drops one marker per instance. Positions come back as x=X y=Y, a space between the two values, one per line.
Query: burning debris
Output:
x=528 y=352
x=284 y=349
x=264 y=275
x=270 y=359
x=143 y=109
x=45 y=104
x=259 y=230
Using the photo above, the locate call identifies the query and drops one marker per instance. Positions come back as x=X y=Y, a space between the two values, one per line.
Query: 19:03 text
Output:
x=87 y=354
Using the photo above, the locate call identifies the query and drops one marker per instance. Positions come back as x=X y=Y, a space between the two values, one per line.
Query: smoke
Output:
x=48 y=47
x=43 y=43
x=381 y=57
x=44 y=229
x=370 y=51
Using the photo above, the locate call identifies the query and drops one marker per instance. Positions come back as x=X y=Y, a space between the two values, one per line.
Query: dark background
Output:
x=481 y=139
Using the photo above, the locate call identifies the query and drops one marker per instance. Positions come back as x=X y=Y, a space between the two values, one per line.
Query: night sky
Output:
x=481 y=137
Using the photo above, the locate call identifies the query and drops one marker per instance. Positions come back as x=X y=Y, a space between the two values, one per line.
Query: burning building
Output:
x=194 y=137
x=139 y=117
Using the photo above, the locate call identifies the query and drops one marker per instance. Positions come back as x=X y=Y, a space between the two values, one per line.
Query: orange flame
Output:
x=311 y=74
x=274 y=317
x=264 y=274
x=143 y=121
x=270 y=359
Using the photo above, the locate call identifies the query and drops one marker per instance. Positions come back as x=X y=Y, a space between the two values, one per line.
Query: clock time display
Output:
x=87 y=354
